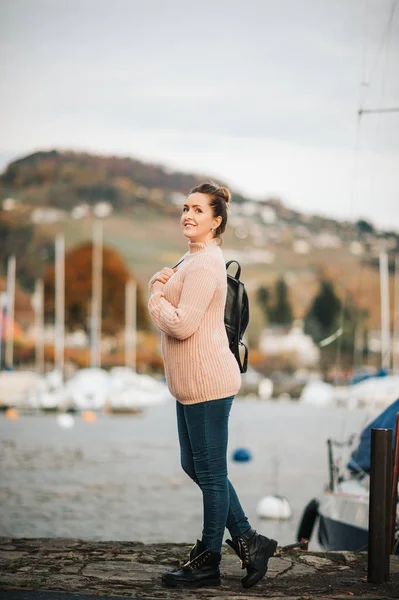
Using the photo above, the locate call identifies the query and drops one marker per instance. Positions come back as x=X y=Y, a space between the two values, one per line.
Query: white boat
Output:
x=374 y=393
x=88 y=389
x=16 y=388
x=131 y=391
x=342 y=509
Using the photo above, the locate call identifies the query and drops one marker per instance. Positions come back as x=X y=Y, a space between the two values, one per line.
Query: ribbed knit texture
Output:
x=199 y=364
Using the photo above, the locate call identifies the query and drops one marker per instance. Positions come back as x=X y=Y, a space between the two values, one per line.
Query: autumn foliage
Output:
x=78 y=290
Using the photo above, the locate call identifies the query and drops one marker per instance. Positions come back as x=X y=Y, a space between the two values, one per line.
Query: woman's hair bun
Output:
x=226 y=194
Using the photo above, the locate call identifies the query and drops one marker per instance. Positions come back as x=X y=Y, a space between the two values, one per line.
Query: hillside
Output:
x=63 y=179
x=144 y=204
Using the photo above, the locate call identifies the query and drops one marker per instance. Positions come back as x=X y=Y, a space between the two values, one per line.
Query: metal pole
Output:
x=371 y=111
x=358 y=345
x=38 y=306
x=385 y=330
x=379 y=544
x=96 y=307
x=9 y=353
x=59 y=304
x=3 y=321
x=331 y=465
x=131 y=324
x=394 y=498
x=395 y=336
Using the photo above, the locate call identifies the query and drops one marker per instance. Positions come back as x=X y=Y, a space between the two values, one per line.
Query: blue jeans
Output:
x=203 y=433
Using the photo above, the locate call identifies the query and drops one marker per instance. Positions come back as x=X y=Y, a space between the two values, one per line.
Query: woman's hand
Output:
x=165 y=274
x=162 y=277
x=157 y=286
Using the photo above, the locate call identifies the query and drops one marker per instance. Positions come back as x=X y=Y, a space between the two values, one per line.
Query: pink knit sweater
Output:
x=199 y=364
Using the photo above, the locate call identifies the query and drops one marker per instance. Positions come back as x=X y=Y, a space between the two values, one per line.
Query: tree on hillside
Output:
x=281 y=312
x=263 y=297
x=354 y=322
x=78 y=290
x=364 y=226
x=321 y=319
x=31 y=249
x=326 y=315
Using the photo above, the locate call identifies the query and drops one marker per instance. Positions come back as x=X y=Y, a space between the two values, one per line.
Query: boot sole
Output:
x=260 y=574
x=182 y=584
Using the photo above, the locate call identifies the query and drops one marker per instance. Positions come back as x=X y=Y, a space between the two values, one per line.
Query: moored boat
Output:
x=341 y=512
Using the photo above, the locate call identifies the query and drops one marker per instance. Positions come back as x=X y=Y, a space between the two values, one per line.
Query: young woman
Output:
x=187 y=304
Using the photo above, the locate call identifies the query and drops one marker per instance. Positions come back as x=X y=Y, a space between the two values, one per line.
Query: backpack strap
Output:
x=237 y=340
x=243 y=368
x=238 y=273
x=177 y=264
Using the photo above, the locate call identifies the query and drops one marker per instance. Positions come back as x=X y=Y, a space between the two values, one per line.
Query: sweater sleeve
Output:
x=199 y=286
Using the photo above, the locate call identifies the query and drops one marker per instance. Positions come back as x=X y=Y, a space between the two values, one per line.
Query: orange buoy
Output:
x=89 y=416
x=12 y=414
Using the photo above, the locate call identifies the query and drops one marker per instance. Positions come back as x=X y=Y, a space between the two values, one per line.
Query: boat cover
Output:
x=360 y=459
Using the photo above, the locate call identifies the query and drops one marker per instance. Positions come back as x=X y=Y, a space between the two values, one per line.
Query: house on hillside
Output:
x=47 y=215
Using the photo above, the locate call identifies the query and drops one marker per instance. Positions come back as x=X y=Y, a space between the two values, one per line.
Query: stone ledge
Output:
x=133 y=570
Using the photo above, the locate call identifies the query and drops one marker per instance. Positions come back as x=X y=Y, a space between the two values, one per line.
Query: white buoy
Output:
x=274 y=507
x=265 y=389
x=66 y=421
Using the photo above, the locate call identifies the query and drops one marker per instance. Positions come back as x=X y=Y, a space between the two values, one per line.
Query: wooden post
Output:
x=379 y=544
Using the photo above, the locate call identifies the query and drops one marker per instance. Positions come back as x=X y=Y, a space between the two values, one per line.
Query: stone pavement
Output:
x=77 y=569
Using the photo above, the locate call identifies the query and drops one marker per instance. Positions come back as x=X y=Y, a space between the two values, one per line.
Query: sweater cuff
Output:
x=153 y=302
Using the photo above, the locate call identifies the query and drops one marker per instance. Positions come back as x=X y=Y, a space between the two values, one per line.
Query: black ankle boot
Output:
x=254 y=551
x=198 y=547
x=202 y=568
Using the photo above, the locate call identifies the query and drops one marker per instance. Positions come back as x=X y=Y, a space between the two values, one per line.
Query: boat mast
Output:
x=131 y=324
x=395 y=345
x=385 y=329
x=96 y=301
x=9 y=350
x=38 y=307
x=59 y=344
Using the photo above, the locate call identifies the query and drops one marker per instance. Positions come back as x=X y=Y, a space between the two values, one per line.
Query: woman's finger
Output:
x=166 y=276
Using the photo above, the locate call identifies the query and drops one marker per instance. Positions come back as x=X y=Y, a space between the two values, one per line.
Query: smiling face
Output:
x=197 y=218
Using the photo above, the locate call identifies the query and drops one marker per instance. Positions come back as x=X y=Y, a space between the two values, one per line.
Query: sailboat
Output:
x=342 y=510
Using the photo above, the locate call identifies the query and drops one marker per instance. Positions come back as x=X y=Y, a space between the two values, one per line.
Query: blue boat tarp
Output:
x=362 y=376
x=360 y=459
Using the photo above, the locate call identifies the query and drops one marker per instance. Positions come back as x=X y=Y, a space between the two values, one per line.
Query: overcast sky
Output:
x=261 y=93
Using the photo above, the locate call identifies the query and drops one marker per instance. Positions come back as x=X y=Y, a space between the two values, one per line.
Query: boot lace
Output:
x=244 y=552
x=197 y=562
x=188 y=561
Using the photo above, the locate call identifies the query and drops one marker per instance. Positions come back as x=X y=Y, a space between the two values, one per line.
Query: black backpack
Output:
x=236 y=314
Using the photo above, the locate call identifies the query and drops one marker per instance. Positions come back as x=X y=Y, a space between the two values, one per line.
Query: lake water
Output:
x=120 y=477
